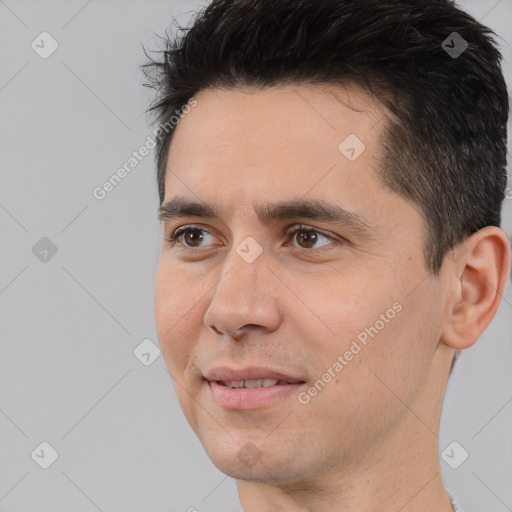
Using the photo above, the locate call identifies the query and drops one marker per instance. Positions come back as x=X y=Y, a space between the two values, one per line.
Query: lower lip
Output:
x=250 y=398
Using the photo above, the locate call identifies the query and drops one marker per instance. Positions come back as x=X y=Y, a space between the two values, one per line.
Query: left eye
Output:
x=308 y=236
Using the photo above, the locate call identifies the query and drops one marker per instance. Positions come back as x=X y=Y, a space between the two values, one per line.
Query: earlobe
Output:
x=478 y=280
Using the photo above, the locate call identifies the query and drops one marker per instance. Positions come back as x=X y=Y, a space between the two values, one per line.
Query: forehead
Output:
x=295 y=113
x=287 y=137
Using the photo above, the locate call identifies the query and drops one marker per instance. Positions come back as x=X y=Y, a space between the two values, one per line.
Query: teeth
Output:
x=265 y=383
x=234 y=383
x=253 y=383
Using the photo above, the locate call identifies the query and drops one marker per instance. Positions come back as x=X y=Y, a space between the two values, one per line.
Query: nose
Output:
x=245 y=298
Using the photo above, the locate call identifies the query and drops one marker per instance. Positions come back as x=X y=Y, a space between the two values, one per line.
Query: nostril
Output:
x=216 y=330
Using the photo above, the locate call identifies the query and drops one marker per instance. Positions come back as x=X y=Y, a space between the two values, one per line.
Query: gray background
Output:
x=68 y=374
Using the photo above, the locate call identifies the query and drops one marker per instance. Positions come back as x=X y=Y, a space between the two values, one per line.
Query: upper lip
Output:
x=223 y=374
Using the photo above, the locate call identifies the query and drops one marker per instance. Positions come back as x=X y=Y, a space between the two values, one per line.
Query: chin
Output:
x=240 y=472
x=250 y=463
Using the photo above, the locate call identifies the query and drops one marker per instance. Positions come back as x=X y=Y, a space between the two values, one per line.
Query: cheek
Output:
x=385 y=340
x=176 y=309
x=373 y=321
x=341 y=306
x=398 y=354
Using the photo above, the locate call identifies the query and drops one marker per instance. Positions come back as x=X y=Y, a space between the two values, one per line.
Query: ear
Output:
x=477 y=273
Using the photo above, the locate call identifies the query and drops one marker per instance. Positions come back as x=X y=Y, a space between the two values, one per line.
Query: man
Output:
x=330 y=206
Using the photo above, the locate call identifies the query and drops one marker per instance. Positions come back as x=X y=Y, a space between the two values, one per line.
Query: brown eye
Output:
x=307 y=238
x=192 y=237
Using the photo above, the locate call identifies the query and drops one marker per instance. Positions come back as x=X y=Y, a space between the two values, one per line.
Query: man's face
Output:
x=363 y=299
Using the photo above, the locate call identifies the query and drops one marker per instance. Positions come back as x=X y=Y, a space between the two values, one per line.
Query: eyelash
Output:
x=178 y=233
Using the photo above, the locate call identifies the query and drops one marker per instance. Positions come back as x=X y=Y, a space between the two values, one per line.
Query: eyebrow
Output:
x=320 y=210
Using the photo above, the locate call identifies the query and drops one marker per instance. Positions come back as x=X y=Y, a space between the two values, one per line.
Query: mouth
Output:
x=253 y=383
x=252 y=388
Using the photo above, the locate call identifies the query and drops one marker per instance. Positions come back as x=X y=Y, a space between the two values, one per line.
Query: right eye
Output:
x=191 y=236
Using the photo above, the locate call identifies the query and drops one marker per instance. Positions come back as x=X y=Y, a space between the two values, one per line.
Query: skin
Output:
x=369 y=439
